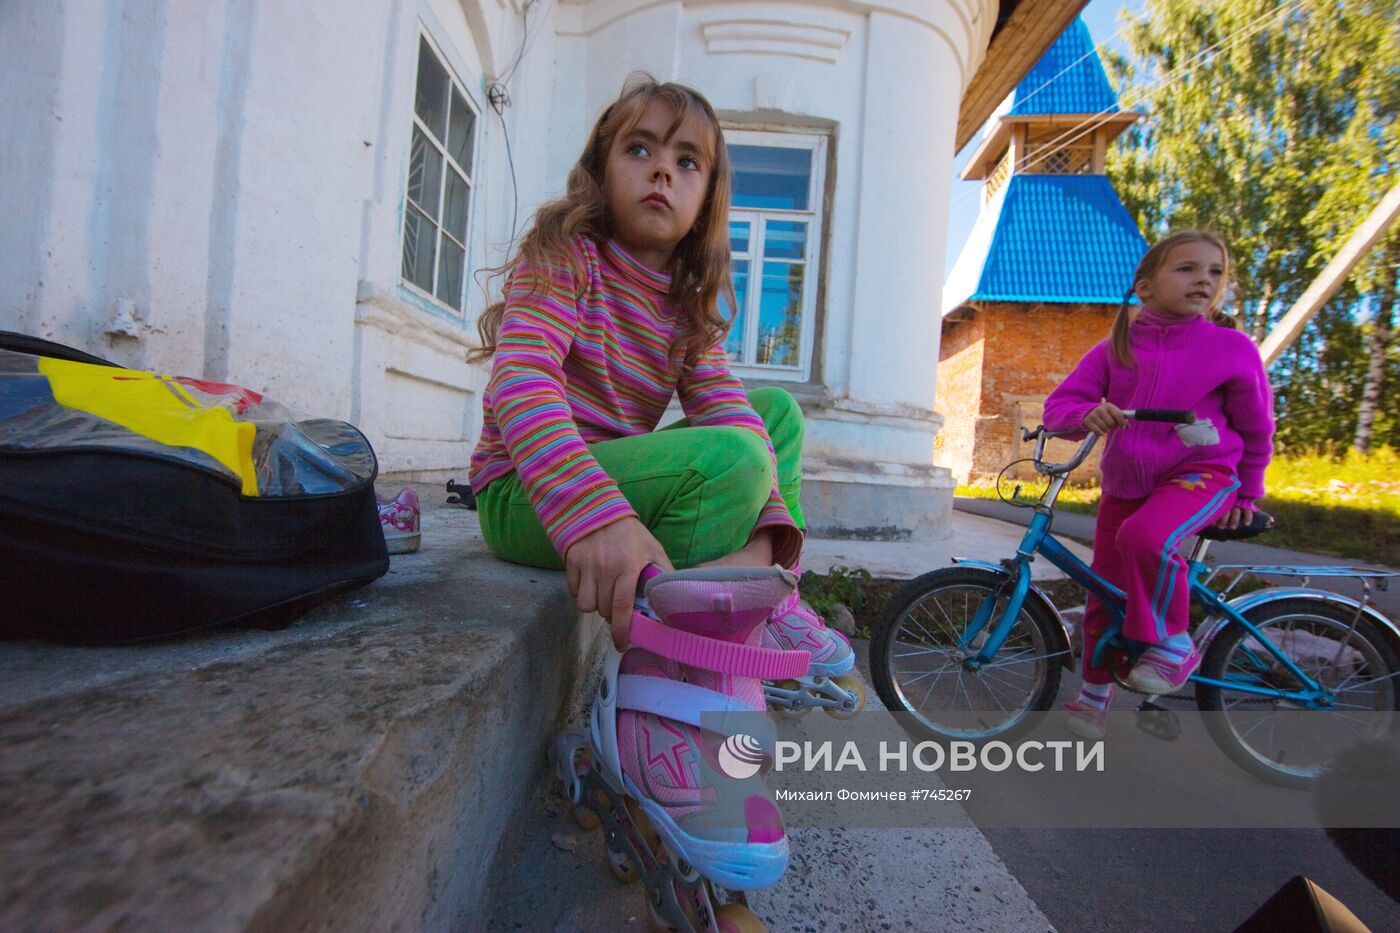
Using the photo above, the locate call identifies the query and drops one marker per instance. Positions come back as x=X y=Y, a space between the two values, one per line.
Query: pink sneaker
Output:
x=794 y=627
x=1156 y=675
x=1087 y=722
x=400 y=517
x=829 y=683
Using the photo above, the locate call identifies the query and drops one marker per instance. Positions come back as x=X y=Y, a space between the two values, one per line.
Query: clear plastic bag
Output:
x=251 y=441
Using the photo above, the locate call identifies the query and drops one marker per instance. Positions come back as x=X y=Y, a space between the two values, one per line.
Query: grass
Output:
x=1081 y=499
x=1345 y=504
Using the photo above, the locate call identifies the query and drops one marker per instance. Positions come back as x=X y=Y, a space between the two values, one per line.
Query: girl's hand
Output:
x=1105 y=418
x=603 y=567
x=1234 y=518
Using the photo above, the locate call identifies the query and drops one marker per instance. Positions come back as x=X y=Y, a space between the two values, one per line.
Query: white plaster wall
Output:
x=285 y=258
x=202 y=161
x=105 y=173
x=413 y=391
x=912 y=90
x=236 y=170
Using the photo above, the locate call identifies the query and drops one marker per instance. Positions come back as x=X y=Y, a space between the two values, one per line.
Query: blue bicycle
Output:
x=976 y=651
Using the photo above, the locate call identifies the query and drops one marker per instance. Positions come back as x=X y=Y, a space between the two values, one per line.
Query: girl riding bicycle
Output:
x=1163 y=483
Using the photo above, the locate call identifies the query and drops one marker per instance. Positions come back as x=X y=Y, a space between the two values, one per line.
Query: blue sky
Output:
x=1102 y=17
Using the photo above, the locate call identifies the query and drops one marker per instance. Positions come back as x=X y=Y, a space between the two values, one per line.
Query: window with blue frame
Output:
x=774 y=232
x=439 y=182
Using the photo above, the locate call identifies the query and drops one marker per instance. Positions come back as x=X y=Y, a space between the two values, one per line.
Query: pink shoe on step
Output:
x=400 y=518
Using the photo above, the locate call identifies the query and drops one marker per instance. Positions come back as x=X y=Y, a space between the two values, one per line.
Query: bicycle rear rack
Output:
x=1370 y=578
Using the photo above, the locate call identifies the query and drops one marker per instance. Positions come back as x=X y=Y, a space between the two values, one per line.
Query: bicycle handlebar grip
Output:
x=1169 y=415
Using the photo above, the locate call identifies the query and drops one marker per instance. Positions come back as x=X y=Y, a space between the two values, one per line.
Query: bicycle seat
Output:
x=1259 y=522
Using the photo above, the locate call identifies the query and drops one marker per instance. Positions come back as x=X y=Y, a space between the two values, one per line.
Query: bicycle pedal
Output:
x=1158 y=722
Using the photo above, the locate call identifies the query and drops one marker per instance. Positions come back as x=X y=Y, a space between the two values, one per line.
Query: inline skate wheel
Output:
x=650 y=837
x=853 y=685
x=620 y=864
x=737 y=918
x=584 y=817
x=786 y=714
x=697 y=904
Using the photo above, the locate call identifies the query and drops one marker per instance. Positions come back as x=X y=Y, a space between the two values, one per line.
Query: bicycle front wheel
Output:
x=920 y=647
x=1286 y=743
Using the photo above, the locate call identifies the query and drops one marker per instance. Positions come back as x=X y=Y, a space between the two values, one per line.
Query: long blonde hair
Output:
x=700 y=265
x=1153 y=260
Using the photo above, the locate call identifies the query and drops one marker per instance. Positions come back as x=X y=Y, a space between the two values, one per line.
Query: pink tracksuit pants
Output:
x=1137 y=548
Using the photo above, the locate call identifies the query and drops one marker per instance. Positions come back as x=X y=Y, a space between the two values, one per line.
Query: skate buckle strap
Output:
x=688 y=703
x=713 y=655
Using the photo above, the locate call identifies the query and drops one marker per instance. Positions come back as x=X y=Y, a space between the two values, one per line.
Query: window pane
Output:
x=734 y=344
x=430 y=103
x=455 y=209
x=785 y=240
x=424 y=174
x=770 y=177
x=450 y=268
x=419 y=235
x=739 y=236
x=460 y=133
x=780 y=314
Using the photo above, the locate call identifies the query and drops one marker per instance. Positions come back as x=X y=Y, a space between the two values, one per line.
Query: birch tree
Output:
x=1273 y=122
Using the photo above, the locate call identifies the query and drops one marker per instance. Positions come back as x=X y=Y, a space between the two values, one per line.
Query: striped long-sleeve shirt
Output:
x=588 y=361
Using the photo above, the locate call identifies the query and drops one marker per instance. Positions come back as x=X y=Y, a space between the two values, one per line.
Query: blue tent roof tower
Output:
x=1041 y=236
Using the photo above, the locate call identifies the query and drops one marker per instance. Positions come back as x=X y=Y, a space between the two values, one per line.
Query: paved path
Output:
x=1081 y=528
x=854 y=879
x=972 y=536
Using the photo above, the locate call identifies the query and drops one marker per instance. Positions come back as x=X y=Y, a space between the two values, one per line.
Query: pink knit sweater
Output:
x=1180 y=363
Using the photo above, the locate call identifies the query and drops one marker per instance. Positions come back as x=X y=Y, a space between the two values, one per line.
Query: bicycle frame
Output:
x=1039 y=541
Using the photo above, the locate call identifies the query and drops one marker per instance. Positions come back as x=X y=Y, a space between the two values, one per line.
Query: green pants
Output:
x=698 y=489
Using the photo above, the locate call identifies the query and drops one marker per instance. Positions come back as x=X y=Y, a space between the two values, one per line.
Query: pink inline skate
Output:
x=686 y=808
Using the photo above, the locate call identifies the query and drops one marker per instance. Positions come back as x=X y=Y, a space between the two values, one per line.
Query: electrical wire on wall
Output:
x=498 y=97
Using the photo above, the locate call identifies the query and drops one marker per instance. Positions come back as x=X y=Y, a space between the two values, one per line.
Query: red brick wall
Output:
x=995 y=371
x=959 y=393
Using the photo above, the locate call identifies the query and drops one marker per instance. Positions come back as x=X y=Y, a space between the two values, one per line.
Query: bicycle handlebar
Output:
x=1040 y=436
x=1169 y=415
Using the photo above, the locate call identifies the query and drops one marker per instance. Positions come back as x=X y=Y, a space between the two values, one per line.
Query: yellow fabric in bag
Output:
x=156 y=407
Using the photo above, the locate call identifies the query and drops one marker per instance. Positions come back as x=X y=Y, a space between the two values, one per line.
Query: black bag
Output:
x=135 y=505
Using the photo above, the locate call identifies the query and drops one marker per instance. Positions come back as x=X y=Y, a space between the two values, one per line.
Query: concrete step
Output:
x=354 y=771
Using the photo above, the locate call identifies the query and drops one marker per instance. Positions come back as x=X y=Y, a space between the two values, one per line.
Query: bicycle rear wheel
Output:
x=919 y=646
x=1285 y=743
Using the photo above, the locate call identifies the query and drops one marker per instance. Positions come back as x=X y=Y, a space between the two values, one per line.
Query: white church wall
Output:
x=412 y=390
x=804 y=75
x=289 y=246
x=222 y=192
x=108 y=181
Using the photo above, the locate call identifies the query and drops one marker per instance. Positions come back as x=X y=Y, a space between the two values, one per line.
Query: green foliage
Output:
x=1339 y=477
x=1274 y=124
x=1343 y=503
x=842 y=586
